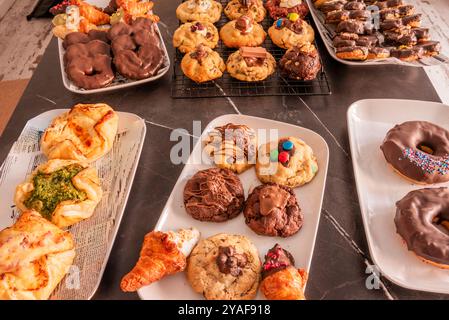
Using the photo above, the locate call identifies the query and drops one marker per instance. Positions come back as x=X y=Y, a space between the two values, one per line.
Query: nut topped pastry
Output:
x=85 y=133
x=191 y=34
x=301 y=62
x=242 y=32
x=253 y=8
x=251 y=64
x=292 y=31
x=199 y=10
x=203 y=64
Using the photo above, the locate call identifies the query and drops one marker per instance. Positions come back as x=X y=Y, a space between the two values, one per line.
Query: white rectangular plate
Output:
x=95 y=236
x=309 y=196
x=379 y=188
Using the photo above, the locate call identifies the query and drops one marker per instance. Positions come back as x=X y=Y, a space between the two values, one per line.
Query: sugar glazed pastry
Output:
x=199 y=10
x=85 y=133
x=232 y=146
x=224 y=267
x=289 y=162
x=191 y=34
x=252 y=8
x=203 y=64
x=251 y=64
x=423 y=222
x=272 y=210
x=281 y=8
x=62 y=191
x=418 y=151
x=301 y=62
x=214 y=195
x=242 y=32
x=162 y=254
x=280 y=279
x=290 y=32
x=35 y=255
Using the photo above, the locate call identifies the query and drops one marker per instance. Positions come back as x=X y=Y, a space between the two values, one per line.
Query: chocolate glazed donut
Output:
x=419 y=151
x=422 y=220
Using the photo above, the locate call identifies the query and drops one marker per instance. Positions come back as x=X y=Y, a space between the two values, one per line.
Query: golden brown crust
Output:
x=186 y=40
x=186 y=12
x=286 y=284
x=233 y=38
x=235 y=10
x=286 y=38
x=85 y=133
x=237 y=68
x=212 y=66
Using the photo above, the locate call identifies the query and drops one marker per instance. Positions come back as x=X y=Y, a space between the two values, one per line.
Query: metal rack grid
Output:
x=226 y=86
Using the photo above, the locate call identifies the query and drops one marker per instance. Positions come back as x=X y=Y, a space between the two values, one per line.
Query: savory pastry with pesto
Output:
x=62 y=191
x=85 y=133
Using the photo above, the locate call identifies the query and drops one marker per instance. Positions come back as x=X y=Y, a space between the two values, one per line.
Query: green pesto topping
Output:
x=50 y=189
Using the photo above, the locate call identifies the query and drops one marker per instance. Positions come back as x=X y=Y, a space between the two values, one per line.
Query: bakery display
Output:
x=214 y=195
x=85 y=133
x=62 y=191
x=202 y=64
x=199 y=10
x=191 y=34
x=280 y=279
x=281 y=8
x=290 y=32
x=232 y=146
x=418 y=151
x=288 y=162
x=251 y=64
x=301 y=62
x=272 y=210
x=35 y=255
x=422 y=222
x=162 y=254
x=242 y=32
x=252 y=8
x=224 y=267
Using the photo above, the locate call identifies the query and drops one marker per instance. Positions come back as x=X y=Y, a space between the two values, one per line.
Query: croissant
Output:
x=91 y=13
x=162 y=254
x=281 y=280
x=133 y=9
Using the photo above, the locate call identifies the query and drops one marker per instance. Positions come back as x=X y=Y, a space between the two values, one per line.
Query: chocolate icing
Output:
x=422 y=34
x=367 y=41
x=333 y=6
x=413 y=19
x=276 y=259
x=394 y=3
x=420 y=220
x=359 y=15
x=406 y=10
x=295 y=26
x=231 y=262
x=412 y=134
x=337 y=16
x=300 y=65
x=214 y=195
x=355 y=5
x=339 y=42
x=430 y=47
x=351 y=26
x=390 y=24
x=389 y=14
x=273 y=210
x=407 y=53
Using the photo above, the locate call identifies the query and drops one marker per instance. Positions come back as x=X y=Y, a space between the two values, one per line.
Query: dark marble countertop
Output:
x=341 y=253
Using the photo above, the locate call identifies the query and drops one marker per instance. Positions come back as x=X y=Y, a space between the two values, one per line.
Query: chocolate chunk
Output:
x=230 y=262
x=244 y=24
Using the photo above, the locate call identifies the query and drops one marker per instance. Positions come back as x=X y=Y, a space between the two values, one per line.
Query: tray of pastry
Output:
x=399 y=153
x=111 y=47
x=242 y=218
x=64 y=185
x=241 y=58
x=374 y=32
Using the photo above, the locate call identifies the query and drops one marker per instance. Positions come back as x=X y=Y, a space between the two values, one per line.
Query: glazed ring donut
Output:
x=418 y=150
x=422 y=220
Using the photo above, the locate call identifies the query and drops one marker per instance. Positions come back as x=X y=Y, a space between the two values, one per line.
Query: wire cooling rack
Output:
x=226 y=86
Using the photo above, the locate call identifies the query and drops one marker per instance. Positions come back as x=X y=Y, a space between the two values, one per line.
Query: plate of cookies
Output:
x=373 y=32
x=104 y=48
x=245 y=48
x=400 y=154
x=242 y=218
x=65 y=184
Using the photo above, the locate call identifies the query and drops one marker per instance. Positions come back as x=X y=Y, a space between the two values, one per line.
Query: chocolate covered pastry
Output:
x=355 y=5
x=430 y=48
x=301 y=63
x=282 y=8
x=351 y=26
x=333 y=5
x=352 y=53
x=337 y=16
x=407 y=53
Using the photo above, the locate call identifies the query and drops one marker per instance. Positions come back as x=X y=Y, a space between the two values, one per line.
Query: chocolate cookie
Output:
x=272 y=210
x=214 y=195
x=301 y=63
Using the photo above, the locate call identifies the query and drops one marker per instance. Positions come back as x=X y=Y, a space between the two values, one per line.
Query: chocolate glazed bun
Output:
x=214 y=195
x=422 y=220
x=419 y=151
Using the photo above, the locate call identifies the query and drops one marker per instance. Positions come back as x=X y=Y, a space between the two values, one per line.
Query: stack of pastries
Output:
x=197 y=37
x=35 y=252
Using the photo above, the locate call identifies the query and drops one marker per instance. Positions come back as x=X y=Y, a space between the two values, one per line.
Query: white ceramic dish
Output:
x=379 y=188
x=309 y=196
x=95 y=236
x=116 y=84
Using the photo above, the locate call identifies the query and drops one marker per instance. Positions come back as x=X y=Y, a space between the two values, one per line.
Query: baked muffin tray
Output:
x=95 y=236
x=327 y=33
x=379 y=187
x=310 y=196
x=226 y=86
